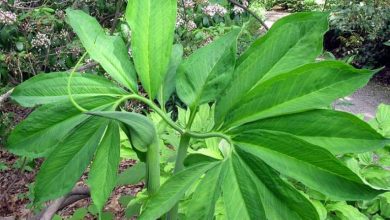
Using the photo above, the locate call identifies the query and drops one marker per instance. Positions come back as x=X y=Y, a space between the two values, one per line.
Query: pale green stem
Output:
x=69 y=83
x=153 y=167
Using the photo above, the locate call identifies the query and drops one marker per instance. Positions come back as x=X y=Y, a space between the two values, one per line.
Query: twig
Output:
x=87 y=66
x=5 y=96
x=117 y=15
x=77 y=194
x=250 y=12
x=184 y=8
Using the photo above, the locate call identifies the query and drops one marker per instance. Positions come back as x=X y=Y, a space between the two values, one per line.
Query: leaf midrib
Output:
x=297 y=159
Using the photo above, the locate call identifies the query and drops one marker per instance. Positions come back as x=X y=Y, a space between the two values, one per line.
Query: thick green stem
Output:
x=179 y=166
x=182 y=153
x=153 y=167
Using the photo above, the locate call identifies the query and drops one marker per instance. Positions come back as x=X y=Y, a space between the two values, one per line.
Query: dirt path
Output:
x=366 y=100
x=272 y=16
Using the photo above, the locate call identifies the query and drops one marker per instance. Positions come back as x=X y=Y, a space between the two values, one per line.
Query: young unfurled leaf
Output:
x=110 y=51
x=152 y=23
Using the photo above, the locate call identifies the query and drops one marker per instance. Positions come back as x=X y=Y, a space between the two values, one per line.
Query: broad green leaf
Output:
x=255 y=189
x=312 y=165
x=346 y=212
x=338 y=132
x=206 y=73
x=67 y=162
x=385 y=204
x=311 y=86
x=44 y=128
x=377 y=176
x=168 y=87
x=142 y=130
x=152 y=23
x=383 y=119
x=132 y=175
x=202 y=203
x=103 y=174
x=110 y=51
x=52 y=87
x=291 y=42
x=173 y=190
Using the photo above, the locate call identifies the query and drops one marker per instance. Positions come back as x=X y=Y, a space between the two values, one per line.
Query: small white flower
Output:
x=40 y=41
x=238 y=10
x=189 y=4
x=214 y=9
x=179 y=21
x=191 y=25
x=7 y=17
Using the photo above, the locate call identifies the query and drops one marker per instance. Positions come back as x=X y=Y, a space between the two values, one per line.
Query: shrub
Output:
x=361 y=29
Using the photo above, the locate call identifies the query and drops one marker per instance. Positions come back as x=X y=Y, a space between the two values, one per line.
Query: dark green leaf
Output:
x=67 y=162
x=252 y=190
x=52 y=87
x=43 y=129
x=339 y=132
x=104 y=169
x=312 y=165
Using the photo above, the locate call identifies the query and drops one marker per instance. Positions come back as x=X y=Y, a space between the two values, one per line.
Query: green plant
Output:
x=268 y=122
x=360 y=29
